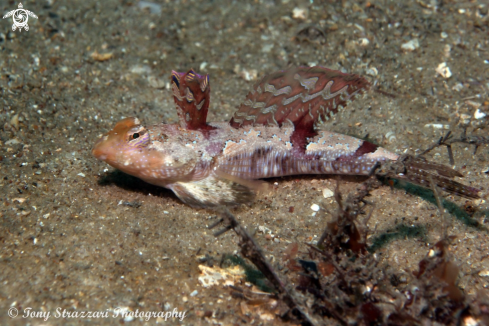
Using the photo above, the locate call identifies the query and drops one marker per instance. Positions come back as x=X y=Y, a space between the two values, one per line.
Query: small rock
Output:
x=13 y=141
x=372 y=71
x=249 y=75
x=458 y=87
x=267 y=48
x=154 y=8
x=363 y=42
x=437 y=126
x=484 y=273
x=411 y=45
x=443 y=70
x=479 y=115
x=299 y=13
x=14 y=122
x=101 y=56
x=464 y=119
x=194 y=293
x=315 y=207
x=327 y=193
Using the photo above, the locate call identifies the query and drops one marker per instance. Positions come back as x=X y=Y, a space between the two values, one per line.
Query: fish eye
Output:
x=138 y=135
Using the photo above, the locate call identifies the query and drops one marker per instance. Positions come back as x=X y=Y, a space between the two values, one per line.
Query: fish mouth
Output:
x=99 y=151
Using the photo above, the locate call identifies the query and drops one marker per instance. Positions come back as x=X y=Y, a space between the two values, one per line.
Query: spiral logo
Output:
x=13 y=312
x=20 y=17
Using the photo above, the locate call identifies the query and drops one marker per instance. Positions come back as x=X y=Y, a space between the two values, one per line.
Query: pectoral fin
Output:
x=215 y=190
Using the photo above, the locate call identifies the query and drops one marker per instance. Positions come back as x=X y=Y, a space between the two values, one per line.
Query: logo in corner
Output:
x=20 y=17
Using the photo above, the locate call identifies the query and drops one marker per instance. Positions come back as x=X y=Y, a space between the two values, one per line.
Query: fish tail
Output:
x=422 y=173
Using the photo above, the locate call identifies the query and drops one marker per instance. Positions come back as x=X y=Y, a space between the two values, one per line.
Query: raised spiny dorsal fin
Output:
x=302 y=96
x=191 y=93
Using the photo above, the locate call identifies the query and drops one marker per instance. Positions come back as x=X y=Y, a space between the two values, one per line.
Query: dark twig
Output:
x=213 y=225
x=450 y=154
x=251 y=251
x=447 y=140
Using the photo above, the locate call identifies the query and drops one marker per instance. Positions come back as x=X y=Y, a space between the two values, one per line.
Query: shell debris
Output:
x=101 y=56
x=443 y=70
x=478 y=114
x=299 y=13
x=213 y=275
x=327 y=193
x=411 y=45
x=315 y=207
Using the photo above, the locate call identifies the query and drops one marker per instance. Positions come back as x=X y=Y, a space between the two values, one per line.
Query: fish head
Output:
x=146 y=153
x=125 y=146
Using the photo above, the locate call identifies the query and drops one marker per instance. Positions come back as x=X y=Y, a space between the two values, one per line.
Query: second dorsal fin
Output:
x=301 y=96
x=191 y=93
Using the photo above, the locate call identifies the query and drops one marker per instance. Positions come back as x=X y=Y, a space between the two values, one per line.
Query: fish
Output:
x=279 y=130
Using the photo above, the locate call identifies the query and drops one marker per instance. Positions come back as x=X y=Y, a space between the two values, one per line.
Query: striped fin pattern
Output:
x=300 y=96
x=191 y=93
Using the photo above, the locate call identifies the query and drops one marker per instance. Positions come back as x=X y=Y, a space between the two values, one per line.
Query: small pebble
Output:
x=363 y=42
x=458 y=87
x=484 y=273
x=299 y=13
x=327 y=193
x=14 y=122
x=443 y=70
x=315 y=207
x=194 y=293
x=411 y=45
x=154 y=8
x=372 y=71
x=99 y=57
x=12 y=141
x=437 y=126
x=479 y=115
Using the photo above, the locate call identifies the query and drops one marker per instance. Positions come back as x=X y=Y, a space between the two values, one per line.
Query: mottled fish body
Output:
x=275 y=132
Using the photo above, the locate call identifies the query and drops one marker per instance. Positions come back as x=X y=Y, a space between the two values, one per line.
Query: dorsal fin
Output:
x=191 y=93
x=302 y=96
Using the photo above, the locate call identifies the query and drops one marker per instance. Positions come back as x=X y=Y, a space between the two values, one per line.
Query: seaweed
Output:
x=340 y=280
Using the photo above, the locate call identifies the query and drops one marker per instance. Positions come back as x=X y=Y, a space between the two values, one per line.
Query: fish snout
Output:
x=100 y=150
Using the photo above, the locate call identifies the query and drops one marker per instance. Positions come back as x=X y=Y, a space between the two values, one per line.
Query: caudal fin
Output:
x=421 y=172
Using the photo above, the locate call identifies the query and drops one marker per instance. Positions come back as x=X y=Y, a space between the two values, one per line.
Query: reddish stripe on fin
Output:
x=191 y=93
x=365 y=148
x=299 y=140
